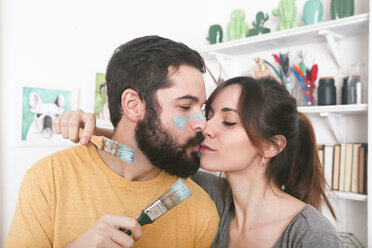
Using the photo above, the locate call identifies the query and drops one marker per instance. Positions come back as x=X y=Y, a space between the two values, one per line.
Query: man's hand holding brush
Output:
x=69 y=123
x=105 y=233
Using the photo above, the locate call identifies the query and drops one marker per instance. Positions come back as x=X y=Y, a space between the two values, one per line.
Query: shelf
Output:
x=344 y=27
x=349 y=196
x=335 y=116
x=349 y=109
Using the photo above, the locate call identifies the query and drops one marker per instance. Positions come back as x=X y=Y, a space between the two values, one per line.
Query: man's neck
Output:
x=131 y=172
x=141 y=169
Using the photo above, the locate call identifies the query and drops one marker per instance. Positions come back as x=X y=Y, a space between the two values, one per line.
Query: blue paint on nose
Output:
x=198 y=116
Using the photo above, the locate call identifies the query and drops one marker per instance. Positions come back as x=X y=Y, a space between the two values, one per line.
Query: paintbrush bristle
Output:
x=175 y=195
x=118 y=150
x=112 y=147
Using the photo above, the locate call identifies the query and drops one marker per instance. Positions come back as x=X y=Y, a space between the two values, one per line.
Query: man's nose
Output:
x=198 y=123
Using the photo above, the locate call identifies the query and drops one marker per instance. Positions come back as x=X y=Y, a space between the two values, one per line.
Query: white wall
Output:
x=1 y=126
x=52 y=43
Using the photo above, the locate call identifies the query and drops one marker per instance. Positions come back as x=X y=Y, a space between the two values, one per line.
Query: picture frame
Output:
x=40 y=106
x=101 y=110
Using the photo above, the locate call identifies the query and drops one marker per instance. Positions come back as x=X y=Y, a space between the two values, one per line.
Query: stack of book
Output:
x=345 y=166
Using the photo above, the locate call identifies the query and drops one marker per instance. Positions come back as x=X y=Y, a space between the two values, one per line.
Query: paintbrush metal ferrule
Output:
x=155 y=210
x=118 y=150
x=110 y=146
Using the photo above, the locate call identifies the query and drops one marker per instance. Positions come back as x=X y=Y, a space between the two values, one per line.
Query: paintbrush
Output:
x=171 y=198
x=112 y=147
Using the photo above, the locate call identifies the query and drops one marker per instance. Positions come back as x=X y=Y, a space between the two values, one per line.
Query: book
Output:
x=355 y=168
x=342 y=167
x=348 y=167
x=362 y=161
x=336 y=166
x=365 y=191
x=328 y=163
x=321 y=153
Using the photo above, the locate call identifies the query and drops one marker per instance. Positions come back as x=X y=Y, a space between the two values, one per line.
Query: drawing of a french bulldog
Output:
x=104 y=113
x=44 y=114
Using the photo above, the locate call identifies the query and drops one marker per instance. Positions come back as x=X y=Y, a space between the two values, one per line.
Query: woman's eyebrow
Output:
x=225 y=109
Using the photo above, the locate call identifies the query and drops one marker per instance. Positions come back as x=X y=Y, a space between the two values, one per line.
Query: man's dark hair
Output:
x=142 y=65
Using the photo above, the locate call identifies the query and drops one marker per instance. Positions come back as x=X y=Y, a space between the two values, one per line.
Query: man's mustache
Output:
x=196 y=140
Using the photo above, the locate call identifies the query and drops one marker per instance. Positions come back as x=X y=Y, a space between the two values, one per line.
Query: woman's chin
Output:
x=210 y=167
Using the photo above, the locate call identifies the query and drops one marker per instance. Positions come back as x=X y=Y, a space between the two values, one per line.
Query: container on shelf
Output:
x=327 y=91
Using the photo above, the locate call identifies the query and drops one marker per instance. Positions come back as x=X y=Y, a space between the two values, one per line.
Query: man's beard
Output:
x=164 y=151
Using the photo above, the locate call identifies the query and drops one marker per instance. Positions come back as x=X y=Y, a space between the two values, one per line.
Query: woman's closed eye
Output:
x=230 y=124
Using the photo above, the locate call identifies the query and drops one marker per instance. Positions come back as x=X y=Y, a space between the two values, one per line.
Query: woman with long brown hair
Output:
x=275 y=183
x=274 y=186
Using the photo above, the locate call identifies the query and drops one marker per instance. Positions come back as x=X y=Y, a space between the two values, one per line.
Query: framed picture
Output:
x=40 y=106
x=101 y=110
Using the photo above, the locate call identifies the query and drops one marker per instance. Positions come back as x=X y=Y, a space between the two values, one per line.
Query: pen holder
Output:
x=304 y=96
x=309 y=95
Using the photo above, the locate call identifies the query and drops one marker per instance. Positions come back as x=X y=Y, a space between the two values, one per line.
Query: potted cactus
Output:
x=341 y=8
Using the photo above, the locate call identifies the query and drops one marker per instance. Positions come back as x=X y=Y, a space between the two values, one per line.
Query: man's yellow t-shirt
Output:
x=64 y=194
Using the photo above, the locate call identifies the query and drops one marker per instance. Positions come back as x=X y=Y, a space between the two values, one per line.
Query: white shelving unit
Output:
x=336 y=116
x=351 y=196
x=356 y=209
x=350 y=109
x=345 y=27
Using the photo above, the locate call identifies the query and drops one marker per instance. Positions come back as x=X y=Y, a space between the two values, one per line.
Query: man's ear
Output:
x=131 y=104
x=271 y=150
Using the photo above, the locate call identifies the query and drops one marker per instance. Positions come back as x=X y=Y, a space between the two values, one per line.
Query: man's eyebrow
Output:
x=228 y=109
x=190 y=97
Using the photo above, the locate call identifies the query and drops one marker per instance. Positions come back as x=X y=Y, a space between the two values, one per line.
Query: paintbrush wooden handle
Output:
x=96 y=140
x=143 y=219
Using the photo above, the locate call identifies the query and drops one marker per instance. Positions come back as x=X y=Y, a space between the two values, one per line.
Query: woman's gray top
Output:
x=309 y=228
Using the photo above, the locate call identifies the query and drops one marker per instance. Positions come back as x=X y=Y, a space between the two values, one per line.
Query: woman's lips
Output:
x=205 y=148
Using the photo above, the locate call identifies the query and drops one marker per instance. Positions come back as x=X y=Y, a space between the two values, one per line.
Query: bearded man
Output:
x=82 y=196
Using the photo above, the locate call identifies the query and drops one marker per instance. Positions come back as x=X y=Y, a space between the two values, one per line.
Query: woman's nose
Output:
x=208 y=130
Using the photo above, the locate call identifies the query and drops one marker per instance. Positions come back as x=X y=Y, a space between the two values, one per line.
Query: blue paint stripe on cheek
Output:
x=180 y=122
